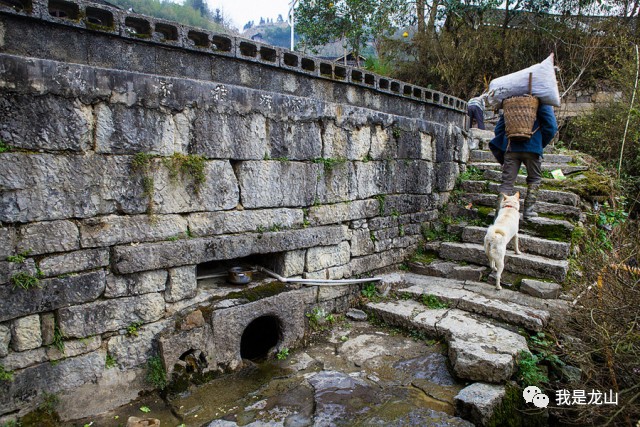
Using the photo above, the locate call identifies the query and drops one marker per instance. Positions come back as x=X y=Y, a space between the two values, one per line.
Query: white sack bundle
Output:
x=544 y=84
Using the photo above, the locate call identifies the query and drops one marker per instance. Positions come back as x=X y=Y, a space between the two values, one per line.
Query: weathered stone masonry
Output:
x=324 y=171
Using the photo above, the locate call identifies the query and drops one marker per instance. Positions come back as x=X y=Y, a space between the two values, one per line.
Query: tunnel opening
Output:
x=259 y=337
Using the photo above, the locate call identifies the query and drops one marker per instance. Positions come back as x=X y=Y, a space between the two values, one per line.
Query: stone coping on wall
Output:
x=128 y=25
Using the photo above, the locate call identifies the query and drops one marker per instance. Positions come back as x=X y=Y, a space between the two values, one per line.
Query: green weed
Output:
x=380 y=198
x=25 y=280
x=156 y=375
x=529 y=373
x=283 y=354
x=5 y=375
x=187 y=165
x=19 y=258
x=433 y=302
x=58 y=339
x=132 y=329
x=4 y=147
x=110 y=362
x=369 y=290
x=329 y=163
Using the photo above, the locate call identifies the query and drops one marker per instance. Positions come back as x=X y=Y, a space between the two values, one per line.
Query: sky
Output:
x=243 y=11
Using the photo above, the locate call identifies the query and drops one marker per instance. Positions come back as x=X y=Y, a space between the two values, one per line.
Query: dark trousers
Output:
x=511 y=166
x=475 y=113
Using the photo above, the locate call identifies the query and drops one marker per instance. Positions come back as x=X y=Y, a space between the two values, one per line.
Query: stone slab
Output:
x=479 y=401
x=527 y=244
x=46 y=237
x=73 y=262
x=97 y=317
x=536 y=288
x=530 y=265
x=117 y=230
x=53 y=294
x=153 y=256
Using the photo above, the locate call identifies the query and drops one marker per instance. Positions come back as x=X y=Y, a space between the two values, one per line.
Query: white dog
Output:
x=503 y=230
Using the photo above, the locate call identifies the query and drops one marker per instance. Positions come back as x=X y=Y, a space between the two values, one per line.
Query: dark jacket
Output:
x=546 y=126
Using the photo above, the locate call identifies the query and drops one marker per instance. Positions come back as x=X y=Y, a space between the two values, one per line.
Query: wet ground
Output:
x=352 y=374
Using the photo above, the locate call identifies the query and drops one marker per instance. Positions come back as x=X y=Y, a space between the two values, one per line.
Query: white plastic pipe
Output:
x=317 y=282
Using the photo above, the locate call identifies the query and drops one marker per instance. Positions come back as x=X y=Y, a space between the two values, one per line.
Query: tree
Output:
x=280 y=19
x=355 y=22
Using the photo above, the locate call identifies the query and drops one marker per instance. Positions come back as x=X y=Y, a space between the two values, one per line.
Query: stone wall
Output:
x=317 y=170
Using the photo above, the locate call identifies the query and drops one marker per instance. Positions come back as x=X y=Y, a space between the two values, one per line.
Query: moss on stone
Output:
x=259 y=292
x=512 y=412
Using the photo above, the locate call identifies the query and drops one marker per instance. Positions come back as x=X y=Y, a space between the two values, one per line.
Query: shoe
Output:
x=530 y=202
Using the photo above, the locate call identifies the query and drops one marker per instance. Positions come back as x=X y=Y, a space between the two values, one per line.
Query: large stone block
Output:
x=277 y=183
x=135 y=284
x=53 y=294
x=182 y=284
x=7 y=241
x=229 y=222
x=291 y=263
x=31 y=383
x=294 y=141
x=180 y=194
x=130 y=351
x=383 y=145
x=116 y=230
x=25 y=333
x=62 y=124
x=327 y=256
x=9 y=269
x=102 y=316
x=40 y=187
x=342 y=212
x=361 y=243
x=334 y=142
x=72 y=262
x=46 y=237
x=336 y=183
x=153 y=256
x=446 y=175
x=374 y=178
x=74 y=348
x=237 y=137
x=479 y=401
x=124 y=129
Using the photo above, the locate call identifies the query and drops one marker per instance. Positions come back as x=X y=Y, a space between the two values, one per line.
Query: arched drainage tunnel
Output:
x=259 y=337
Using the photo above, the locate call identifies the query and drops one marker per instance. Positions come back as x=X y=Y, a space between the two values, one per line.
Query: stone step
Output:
x=453 y=293
x=488 y=199
x=548 y=228
x=448 y=269
x=526 y=264
x=478 y=349
x=527 y=244
x=487 y=156
x=548 y=196
x=566 y=169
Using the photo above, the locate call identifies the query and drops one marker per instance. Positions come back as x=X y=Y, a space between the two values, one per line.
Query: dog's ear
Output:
x=517 y=195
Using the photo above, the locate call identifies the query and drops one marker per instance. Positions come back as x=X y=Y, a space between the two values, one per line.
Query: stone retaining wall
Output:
x=317 y=175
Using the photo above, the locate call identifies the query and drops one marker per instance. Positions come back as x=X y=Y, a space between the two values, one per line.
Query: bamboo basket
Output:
x=519 y=115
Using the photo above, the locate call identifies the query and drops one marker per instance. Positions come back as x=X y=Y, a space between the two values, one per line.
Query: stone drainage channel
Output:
x=349 y=372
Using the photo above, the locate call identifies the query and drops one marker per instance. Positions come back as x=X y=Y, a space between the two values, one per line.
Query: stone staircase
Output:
x=484 y=328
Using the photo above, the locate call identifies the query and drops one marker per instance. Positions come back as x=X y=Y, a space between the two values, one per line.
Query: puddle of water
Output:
x=355 y=375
